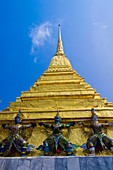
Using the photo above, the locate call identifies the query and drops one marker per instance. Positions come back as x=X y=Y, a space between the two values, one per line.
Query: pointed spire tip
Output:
x=59 y=45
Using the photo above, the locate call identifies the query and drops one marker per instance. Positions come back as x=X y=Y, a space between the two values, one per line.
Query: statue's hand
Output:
x=110 y=124
x=33 y=125
x=3 y=126
x=80 y=123
x=72 y=123
x=40 y=123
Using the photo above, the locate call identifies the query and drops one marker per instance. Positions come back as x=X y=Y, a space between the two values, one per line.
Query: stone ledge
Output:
x=57 y=163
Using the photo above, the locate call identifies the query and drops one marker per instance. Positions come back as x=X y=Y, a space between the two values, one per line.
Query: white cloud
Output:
x=35 y=59
x=98 y=24
x=39 y=34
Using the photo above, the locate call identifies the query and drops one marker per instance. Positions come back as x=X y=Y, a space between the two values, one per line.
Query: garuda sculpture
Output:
x=15 y=140
x=56 y=142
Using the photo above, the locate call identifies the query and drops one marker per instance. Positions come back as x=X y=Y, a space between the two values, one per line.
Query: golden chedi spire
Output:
x=59 y=62
x=59 y=45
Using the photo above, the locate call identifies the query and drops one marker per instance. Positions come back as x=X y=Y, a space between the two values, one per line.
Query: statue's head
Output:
x=57 y=118
x=94 y=117
x=92 y=110
x=17 y=118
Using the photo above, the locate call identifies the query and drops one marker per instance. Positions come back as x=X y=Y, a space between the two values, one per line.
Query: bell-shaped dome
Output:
x=60 y=60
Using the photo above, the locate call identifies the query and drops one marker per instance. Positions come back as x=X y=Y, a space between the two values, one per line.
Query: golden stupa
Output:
x=60 y=88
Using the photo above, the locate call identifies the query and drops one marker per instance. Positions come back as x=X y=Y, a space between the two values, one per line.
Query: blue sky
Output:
x=28 y=38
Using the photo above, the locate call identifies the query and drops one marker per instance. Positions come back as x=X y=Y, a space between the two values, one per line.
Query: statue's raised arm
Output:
x=44 y=124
